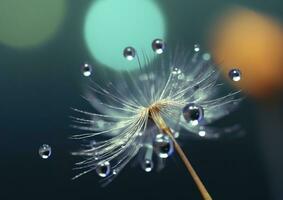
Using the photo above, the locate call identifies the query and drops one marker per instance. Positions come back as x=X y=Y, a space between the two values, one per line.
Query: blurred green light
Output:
x=112 y=25
x=28 y=23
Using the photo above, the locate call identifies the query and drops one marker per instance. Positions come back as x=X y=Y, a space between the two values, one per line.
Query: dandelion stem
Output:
x=190 y=168
x=163 y=126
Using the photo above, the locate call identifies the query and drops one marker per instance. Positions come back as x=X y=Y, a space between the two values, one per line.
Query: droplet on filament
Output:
x=129 y=53
x=103 y=169
x=193 y=113
x=86 y=70
x=235 y=75
x=158 y=46
x=45 y=151
x=163 y=146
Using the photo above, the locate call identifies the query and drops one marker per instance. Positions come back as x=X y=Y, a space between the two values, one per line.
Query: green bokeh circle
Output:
x=28 y=23
x=112 y=25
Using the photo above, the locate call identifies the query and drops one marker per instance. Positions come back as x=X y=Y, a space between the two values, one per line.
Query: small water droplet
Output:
x=176 y=134
x=235 y=75
x=115 y=172
x=129 y=53
x=86 y=70
x=158 y=46
x=193 y=113
x=196 y=48
x=103 y=169
x=147 y=165
x=202 y=133
x=206 y=56
x=44 y=151
x=176 y=71
x=163 y=146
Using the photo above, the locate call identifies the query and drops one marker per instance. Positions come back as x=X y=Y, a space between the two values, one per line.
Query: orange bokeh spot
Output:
x=253 y=43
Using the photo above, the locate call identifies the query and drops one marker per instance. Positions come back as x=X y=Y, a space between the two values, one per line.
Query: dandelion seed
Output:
x=140 y=115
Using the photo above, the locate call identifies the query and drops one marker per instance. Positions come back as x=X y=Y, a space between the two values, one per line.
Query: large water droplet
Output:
x=129 y=53
x=103 y=169
x=147 y=165
x=158 y=46
x=235 y=75
x=44 y=151
x=193 y=113
x=196 y=48
x=163 y=146
x=86 y=70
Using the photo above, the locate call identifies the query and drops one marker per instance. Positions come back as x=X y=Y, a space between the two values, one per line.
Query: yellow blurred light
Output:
x=252 y=42
x=28 y=23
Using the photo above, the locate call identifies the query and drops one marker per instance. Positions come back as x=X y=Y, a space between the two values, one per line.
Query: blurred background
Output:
x=43 y=45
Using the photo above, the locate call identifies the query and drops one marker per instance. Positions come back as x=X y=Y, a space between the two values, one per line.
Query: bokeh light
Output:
x=253 y=43
x=113 y=25
x=28 y=23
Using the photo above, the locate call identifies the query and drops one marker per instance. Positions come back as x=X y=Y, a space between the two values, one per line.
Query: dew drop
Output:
x=115 y=172
x=235 y=75
x=193 y=113
x=103 y=169
x=147 y=165
x=163 y=146
x=206 y=56
x=86 y=70
x=202 y=133
x=176 y=134
x=196 y=48
x=44 y=151
x=129 y=53
x=158 y=46
x=176 y=71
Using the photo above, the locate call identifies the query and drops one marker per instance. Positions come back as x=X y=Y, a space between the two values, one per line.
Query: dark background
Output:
x=39 y=85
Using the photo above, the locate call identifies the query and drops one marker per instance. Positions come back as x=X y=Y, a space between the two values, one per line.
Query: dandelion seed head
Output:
x=181 y=88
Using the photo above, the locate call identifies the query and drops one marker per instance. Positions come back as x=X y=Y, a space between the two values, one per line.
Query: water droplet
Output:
x=103 y=169
x=196 y=48
x=235 y=75
x=193 y=113
x=176 y=71
x=44 y=151
x=206 y=56
x=86 y=70
x=129 y=53
x=115 y=172
x=158 y=46
x=202 y=133
x=163 y=146
x=176 y=134
x=147 y=165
